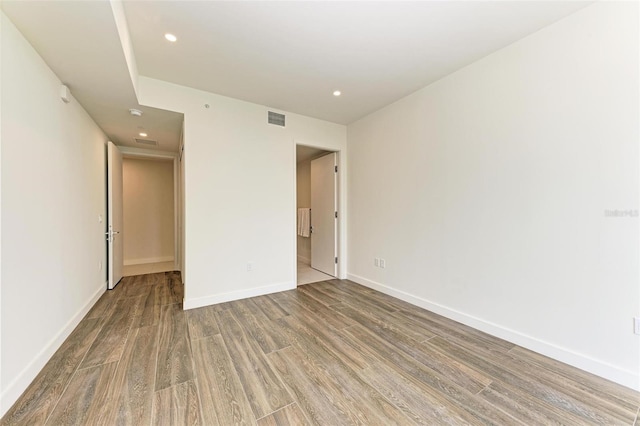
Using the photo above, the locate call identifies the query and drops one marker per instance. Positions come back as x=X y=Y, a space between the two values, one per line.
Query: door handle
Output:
x=111 y=234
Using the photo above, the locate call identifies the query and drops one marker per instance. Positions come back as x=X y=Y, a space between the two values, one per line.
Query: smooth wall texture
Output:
x=487 y=191
x=148 y=206
x=303 y=199
x=53 y=191
x=239 y=191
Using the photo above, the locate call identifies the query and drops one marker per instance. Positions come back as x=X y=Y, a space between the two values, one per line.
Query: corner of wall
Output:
x=600 y=368
x=24 y=378
x=125 y=40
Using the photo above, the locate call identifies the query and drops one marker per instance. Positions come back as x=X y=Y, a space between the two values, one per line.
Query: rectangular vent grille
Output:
x=146 y=142
x=275 y=118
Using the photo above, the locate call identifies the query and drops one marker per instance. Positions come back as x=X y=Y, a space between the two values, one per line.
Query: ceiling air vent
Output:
x=146 y=142
x=275 y=118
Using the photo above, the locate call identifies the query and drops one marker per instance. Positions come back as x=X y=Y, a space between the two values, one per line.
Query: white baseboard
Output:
x=600 y=368
x=13 y=391
x=237 y=295
x=304 y=260
x=128 y=262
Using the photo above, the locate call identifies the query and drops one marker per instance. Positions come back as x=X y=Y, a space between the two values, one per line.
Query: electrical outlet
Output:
x=250 y=266
x=636 y=325
x=383 y=263
x=376 y=262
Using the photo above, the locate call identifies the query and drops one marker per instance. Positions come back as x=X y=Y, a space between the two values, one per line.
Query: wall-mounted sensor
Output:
x=65 y=94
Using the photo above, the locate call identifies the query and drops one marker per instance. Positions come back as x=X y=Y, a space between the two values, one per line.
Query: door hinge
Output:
x=336 y=169
x=336 y=215
x=336 y=260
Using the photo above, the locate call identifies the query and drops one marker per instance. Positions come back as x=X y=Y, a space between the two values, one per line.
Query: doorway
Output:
x=317 y=211
x=149 y=200
x=149 y=243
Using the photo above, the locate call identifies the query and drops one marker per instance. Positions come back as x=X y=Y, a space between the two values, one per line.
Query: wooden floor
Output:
x=329 y=353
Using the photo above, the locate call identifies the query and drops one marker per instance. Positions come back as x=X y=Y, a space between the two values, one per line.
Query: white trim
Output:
x=14 y=389
x=237 y=295
x=129 y=262
x=132 y=152
x=600 y=368
x=294 y=210
x=176 y=215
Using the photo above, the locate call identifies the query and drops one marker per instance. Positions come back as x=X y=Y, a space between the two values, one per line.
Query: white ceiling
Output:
x=80 y=43
x=293 y=55
x=286 y=55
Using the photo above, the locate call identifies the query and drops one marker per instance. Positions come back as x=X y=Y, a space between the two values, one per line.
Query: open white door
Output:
x=324 y=212
x=114 y=199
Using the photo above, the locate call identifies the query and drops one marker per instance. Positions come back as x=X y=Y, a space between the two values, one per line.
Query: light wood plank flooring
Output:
x=328 y=353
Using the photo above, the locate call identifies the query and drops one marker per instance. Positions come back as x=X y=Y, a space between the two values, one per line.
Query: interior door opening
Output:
x=317 y=214
x=144 y=199
x=149 y=217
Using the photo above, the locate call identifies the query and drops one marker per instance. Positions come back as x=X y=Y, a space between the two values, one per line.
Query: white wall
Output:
x=148 y=209
x=486 y=192
x=303 y=199
x=239 y=191
x=53 y=190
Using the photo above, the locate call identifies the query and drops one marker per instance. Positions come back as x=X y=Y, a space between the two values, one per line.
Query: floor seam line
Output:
x=275 y=411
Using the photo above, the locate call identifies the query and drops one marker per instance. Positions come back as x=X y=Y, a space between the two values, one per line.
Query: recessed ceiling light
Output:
x=337 y=93
x=170 y=37
x=135 y=112
x=143 y=134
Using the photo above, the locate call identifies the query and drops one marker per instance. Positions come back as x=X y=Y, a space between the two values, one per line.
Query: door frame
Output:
x=130 y=152
x=341 y=155
x=114 y=236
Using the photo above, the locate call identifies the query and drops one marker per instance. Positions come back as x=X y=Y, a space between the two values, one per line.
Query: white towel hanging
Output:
x=304 y=222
